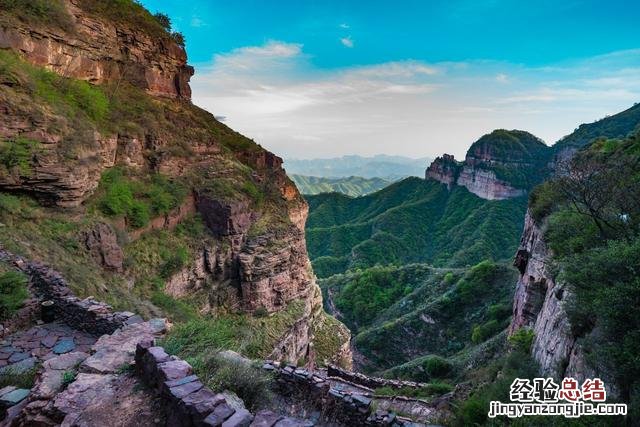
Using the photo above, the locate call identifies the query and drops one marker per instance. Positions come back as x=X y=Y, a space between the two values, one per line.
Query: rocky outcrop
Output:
x=484 y=183
x=52 y=180
x=519 y=157
x=102 y=243
x=253 y=253
x=479 y=181
x=444 y=169
x=99 y=50
x=539 y=304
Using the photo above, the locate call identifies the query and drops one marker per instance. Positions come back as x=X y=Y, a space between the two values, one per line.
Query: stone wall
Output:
x=346 y=404
x=86 y=314
x=370 y=382
x=190 y=402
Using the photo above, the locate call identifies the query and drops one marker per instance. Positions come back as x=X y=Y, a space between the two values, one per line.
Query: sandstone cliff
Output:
x=500 y=165
x=96 y=49
x=60 y=135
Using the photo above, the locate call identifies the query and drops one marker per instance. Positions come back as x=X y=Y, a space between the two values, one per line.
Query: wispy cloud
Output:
x=197 y=22
x=347 y=41
x=275 y=94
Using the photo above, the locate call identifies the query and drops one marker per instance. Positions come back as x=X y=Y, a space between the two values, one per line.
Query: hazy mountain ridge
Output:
x=351 y=186
x=379 y=166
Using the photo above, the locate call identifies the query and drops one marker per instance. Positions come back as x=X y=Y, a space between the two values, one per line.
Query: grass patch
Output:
x=13 y=292
x=41 y=12
x=16 y=155
x=251 y=383
x=329 y=336
x=430 y=390
x=253 y=337
x=24 y=379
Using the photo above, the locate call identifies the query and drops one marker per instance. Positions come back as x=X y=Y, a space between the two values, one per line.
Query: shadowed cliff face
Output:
x=136 y=115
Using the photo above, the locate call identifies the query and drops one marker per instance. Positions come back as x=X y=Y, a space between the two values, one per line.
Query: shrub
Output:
x=481 y=332
x=138 y=214
x=178 y=37
x=68 y=377
x=164 y=20
x=250 y=383
x=117 y=199
x=17 y=154
x=522 y=339
x=138 y=199
x=13 y=292
x=261 y=312
x=176 y=261
x=436 y=366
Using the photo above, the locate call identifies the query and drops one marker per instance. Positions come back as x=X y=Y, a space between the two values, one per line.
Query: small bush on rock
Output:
x=249 y=382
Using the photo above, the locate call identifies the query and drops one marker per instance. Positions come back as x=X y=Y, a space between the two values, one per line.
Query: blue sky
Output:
x=324 y=78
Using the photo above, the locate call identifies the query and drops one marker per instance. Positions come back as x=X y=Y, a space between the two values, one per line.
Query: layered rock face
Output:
x=481 y=182
x=444 y=169
x=539 y=305
x=500 y=165
x=253 y=255
x=98 y=50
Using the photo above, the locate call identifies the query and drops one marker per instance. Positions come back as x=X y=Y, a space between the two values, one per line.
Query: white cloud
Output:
x=345 y=26
x=197 y=22
x=347 y=42
x=274 y=94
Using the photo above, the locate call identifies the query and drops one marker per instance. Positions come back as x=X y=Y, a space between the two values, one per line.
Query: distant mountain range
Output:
x=354 y=186
x=383 y=166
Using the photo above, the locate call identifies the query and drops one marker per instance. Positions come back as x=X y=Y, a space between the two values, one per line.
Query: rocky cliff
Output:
x=500 y=165
x=88 y=46
x=541 y=299
x=539 y=304
x=116 y=97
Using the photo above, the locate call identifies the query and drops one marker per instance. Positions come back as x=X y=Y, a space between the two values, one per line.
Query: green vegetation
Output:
x=16 y=155
x=365 y=295
x=351 y=186
x=593 y=228
x=329 y=335
x=40 y=12
x=522 y=340
x=13 y=292
x=618 y=126
x=251 y=383
x=137 y=199
x=252 y=337
x=413 y=220
x=409 y=321
x=134 y=14
x=68 y=377
x=430 y=390
x=525 y=156
x=21 y=379
x=496 y=378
